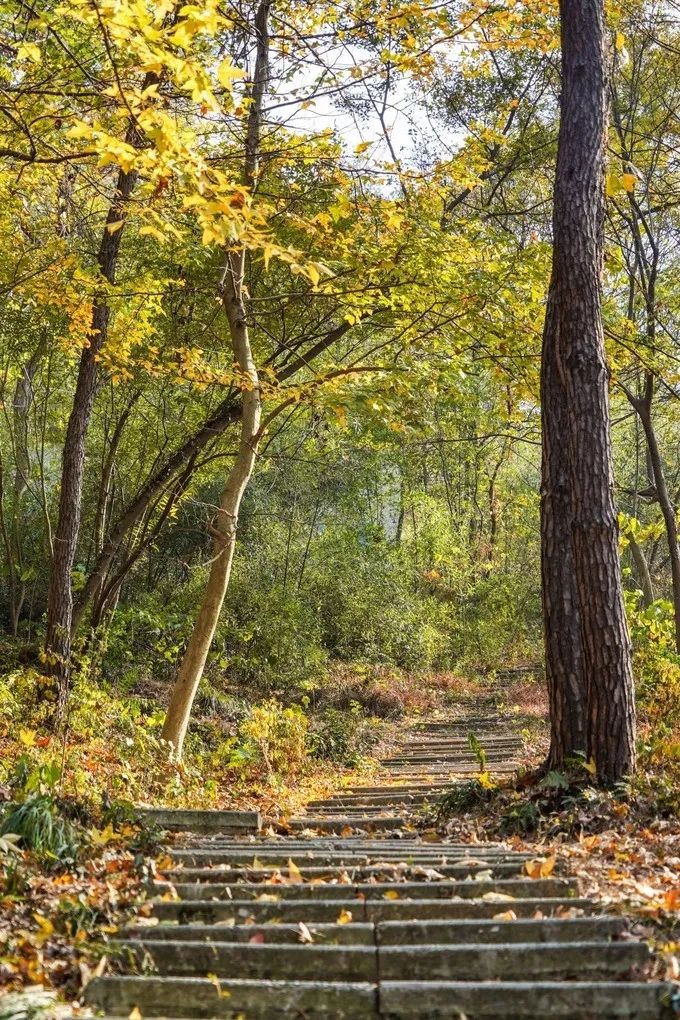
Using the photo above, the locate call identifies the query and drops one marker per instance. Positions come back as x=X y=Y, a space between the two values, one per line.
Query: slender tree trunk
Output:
x=574 y=337
x=60 y=592
x=642 y=571
x=226 y=523
x=643 y=406
x=193 y=663
x=21 y=405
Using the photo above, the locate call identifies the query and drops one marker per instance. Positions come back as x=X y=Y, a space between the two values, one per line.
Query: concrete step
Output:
x=504 y=961
x=207 y=998
x=571 y=929
x=340 y=858
x=335 y=823
x=181 y=819
x=376 y=800
x=475 y=962
x=278 y=961
x=395 y=933
x=356 y=933
x=398 y=1000
x=387 y=869
x=511 y=1000
x=316 y=909
x=467 y=889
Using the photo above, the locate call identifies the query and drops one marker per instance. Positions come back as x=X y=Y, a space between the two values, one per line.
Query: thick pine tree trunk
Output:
x=562 y=619
x=574 y=337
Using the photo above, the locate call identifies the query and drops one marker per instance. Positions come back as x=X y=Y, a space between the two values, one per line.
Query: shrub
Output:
x=274 y=739
x=42 y=828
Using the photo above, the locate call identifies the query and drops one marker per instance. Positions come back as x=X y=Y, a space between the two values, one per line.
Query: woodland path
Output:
x=356 y=915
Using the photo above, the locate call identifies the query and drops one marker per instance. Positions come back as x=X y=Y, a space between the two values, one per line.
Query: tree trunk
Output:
x=60 y=592
x=226 y=522
x=21 y=405
x=643 y=407
x=561 y=614
x=574 y=337
x=642 y=571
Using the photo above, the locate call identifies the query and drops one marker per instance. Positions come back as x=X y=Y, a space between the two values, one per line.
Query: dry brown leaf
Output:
x=305 y=934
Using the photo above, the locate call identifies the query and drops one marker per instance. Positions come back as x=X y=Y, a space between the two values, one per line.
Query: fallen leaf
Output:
x=507 y=915
x=344 y=917
x=257 y=939
x=294 y=873
x=541 y=867
x=304 y=934
x=135 y=1014
x=391 y=894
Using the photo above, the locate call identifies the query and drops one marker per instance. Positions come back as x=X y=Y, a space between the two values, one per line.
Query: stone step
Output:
x=398 y=1000
x=467 y=889
x=378 y=799
x=316 y=909
x=450 y=758
x=335 y=823
x=570 y=929
x=277 y=961
x=389 y=933
x=576 y=1000
x=438 y=785
x=475 y=962
x=340 y=858
x=504 y=961
x=395 y=868
x=183 y=819
x=356 y=933
x=207 y=998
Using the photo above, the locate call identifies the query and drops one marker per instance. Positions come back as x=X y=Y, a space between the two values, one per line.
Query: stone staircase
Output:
x=355 y=915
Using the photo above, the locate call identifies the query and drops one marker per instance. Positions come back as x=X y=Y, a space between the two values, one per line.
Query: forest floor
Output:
x=624 y=845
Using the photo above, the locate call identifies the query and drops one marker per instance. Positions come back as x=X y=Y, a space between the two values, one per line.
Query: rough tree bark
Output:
x=574 y=337
x=561 y=614
x=60 y=592
x=226 y=521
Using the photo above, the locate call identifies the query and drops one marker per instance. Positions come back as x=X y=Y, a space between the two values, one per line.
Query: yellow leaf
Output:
x=113 y=227
x=362 y=147
x=613 y=185
x=27 y=737
x=541 y=867
x=620 y=40
x=391 y=894
x=135 y=1014
x=507 y=915
x=344 y=917
x=100 y=837
x=294 y=873
x=46 y=928
x=628 y=181
x=590 y=766
x=227 y=72
x=29 y=51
